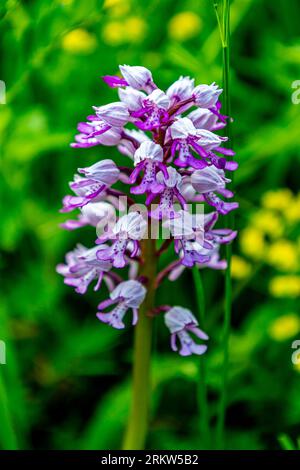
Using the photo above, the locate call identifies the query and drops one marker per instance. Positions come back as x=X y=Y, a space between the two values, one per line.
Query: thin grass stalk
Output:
x=202 y=383
x=224 y=26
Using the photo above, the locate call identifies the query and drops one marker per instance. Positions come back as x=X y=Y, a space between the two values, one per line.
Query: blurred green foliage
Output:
x=66 y=384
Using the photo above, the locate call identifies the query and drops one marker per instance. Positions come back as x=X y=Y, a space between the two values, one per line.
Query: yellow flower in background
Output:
x=252 y=243
x=285 y=327
x=262 y=239
x=112 y=3
x=268 y=222
x=240 y=268
x=131 y=30
x=135 y=29
x=117 y=7
x=283 y=255
x=297 y=366
x=79 y=41
x=283 y=200
x=285 y=286
x=279 y=199
x=292 y=213
x=184 y=25
x=113 y=33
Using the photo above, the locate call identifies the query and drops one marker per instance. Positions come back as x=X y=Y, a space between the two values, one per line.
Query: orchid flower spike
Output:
x=171 y=159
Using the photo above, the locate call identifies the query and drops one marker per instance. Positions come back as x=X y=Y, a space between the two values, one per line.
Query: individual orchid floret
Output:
x=128 y=294
x=111 y=136
x=115 y=114
x=184 y=129
x=104 y=171
x=204 y=119
x=212 y=180
x=97 y=178
x=148 y=158
x=92 y=214
x=184 y=135
x=181 y=90
x=188 y=238
x=126 y=235
x=206 y=96
x=214 y=262
x=182 y=323
x=171 y=190
x=82 y=267
x=190 y=252
x=85 y=194
x=138 y=77
x=132 y=98
x=153 y=113
x=195 y=240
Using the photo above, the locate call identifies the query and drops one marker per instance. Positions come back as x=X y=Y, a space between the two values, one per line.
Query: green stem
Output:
x=137 y=427
x=225 y=36
x=202 y=386
x=8 y=439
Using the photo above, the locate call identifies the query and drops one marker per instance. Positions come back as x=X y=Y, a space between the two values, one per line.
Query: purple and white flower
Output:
x=126 y=233
x=211 y=180
x=182 y=324
x=214 y=262
x=132 y=98
x=188 y=236
x=181 y=90
x=115 y=114
x=138 y=77
x=128 y=294
x=185 y=137
x=82 y=267
x=206 y=96
x=204 y=119
x=171 y=185
x=153 y=112
x=148 y=158
x=97 y=178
